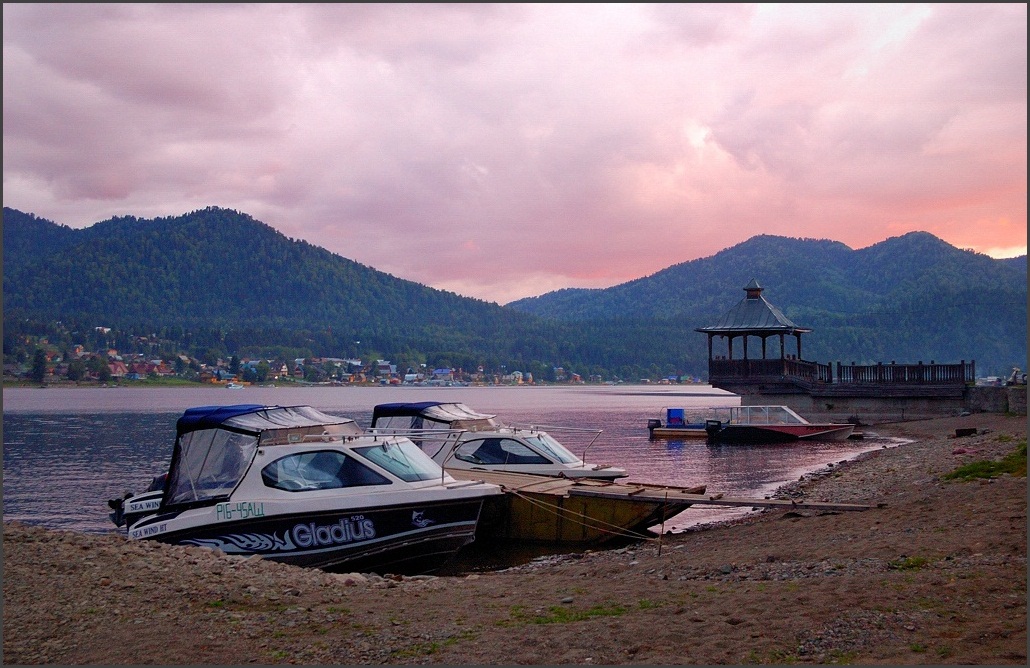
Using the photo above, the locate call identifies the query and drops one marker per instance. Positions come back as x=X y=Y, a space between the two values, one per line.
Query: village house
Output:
x=118 y=369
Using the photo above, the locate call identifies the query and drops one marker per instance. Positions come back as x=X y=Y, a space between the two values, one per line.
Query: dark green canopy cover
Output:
x=753 y=315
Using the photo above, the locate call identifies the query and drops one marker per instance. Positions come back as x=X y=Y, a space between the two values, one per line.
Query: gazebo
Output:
x=753 y=316
x=790 y=375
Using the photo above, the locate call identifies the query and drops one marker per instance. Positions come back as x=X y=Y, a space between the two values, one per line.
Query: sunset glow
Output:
x=503 y=151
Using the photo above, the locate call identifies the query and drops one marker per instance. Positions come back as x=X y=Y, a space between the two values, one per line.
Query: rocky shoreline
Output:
x=936 y=576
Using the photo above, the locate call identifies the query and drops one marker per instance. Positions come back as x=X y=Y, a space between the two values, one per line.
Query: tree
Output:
x=312 y=373
x=76 y=370
x=39 y=369
x=98 y=365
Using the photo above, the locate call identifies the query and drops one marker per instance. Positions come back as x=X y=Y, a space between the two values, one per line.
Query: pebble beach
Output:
x=935 y=575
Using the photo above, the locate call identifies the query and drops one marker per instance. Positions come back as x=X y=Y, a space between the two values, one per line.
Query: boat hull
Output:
x=781 y=433
x=406 y=539
x=746 y=424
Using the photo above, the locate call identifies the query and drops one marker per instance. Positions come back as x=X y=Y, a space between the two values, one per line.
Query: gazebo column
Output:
x=752 y=316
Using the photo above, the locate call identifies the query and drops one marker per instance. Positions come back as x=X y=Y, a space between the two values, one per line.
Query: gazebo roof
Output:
x=753 y=315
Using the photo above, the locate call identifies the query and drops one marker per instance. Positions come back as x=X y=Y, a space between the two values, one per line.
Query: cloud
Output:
x=500 y=151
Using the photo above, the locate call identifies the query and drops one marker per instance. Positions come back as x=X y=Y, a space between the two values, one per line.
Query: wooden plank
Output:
x=556 y=485
x=787 y=504
x=516 y=481
x=720 y=500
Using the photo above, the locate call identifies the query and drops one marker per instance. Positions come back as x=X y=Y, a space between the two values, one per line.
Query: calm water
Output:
x=68 y=450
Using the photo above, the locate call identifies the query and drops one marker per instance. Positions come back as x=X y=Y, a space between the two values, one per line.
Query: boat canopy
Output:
x=684 y=417
x=215 y=445
x=754 y=415
x=255 y=418
x=453 y=415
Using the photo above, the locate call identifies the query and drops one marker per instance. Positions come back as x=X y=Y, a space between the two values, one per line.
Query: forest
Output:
x=216 y=283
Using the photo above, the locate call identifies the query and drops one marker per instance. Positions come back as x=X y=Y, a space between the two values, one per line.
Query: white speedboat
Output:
x=295 y=485
x=770 y=424
x=485 y=444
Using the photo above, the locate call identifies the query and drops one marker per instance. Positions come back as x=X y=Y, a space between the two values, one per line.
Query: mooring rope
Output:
x=598 y=524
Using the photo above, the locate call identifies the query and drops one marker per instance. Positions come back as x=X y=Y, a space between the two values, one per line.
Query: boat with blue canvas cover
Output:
x=483 y=443
x=551 y=495
x=299 y=486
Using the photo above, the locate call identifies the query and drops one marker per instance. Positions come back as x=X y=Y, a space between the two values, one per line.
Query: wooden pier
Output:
x=545 y=509
x=742 y=502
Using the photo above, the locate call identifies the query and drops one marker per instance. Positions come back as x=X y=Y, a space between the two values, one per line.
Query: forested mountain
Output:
x=219 y=278
x=908 y=298
x=219 y=281
x=1017 y=263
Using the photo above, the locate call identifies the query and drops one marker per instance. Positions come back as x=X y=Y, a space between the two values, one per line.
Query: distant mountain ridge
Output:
x=805 y=273
x=908 y=298
x=211 y=266
x=217 y=273
x=221 y=276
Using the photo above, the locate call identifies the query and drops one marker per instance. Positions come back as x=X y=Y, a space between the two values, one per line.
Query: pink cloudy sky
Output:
x=503 y=151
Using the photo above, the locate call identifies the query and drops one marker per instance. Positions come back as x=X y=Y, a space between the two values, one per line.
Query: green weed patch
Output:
x=1013 y=464
x=908 y=563
x=557 y=614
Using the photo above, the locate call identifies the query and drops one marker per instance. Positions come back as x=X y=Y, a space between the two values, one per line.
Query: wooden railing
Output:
x=808 y=373
x=811 y=371
x=909 y=374
x=766 y=368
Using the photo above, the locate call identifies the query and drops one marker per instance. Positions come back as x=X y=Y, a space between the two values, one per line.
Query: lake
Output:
x=68 y=450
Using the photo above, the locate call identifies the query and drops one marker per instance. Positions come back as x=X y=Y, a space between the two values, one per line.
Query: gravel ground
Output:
x=936 y=576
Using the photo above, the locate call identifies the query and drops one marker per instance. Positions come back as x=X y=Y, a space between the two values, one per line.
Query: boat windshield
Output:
x=496 y=450
x=765 y=415
x=548 y=444
x=403 y=459
x=324 y=469
x=211 y=462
